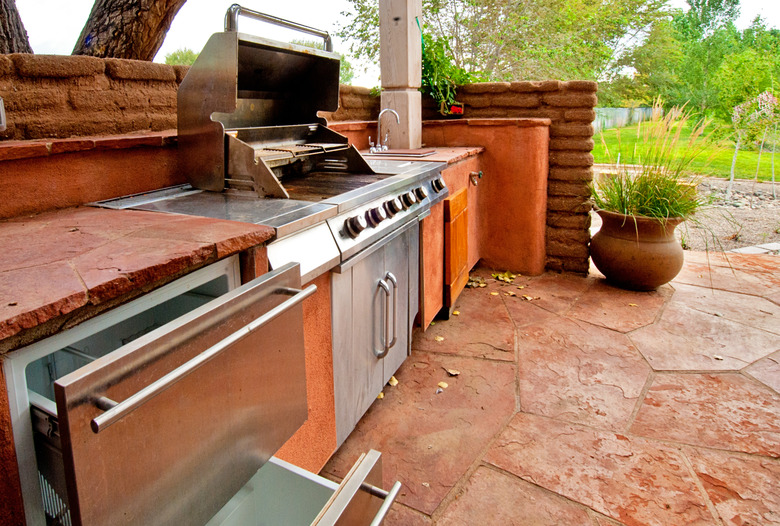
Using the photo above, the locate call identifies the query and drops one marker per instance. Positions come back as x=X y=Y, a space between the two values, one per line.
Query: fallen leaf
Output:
x=509 y=294
x=506 y=277
x=717 y=357
x=433 y=323
x=482 y=285
x=380 y=396
x=443 y=385
x=494 y=293
x=526 y=297
x=393 y=381
x=439 y=390
x=13 y=304
x=451 y=372
x=521 y=287
x=455 y=313
x=633 y=305
x=438 y=338
x=426 y=484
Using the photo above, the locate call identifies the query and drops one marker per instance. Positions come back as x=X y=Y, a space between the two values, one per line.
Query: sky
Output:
x=53 y=26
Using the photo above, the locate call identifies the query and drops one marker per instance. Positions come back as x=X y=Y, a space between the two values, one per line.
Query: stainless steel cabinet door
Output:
x=167 y=428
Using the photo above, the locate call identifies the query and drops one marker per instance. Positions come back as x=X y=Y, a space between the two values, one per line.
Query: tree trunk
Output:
x=13 y=37
x=127 y=28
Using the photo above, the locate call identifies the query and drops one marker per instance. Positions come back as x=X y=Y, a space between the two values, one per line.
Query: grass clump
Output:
x=650 y=178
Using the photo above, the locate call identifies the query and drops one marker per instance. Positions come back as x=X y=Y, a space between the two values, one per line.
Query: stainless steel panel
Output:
x=182 y=455
x=314 y=249
x=210 y=86
x=398 y=260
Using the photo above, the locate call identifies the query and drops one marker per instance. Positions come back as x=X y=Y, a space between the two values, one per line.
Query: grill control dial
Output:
x=421 y=193
x=355 y=225
x=408 y=199
x=393 y=206
x=376 y=216
x=438 y=184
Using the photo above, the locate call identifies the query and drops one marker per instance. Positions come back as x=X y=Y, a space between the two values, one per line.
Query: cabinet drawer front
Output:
x=180 y=455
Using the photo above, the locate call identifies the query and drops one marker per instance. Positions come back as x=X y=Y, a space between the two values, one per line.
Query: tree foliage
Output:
x=181 y=57
x=519 y=39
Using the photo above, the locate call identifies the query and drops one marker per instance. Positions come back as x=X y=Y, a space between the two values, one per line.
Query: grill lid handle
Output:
x=234 y=11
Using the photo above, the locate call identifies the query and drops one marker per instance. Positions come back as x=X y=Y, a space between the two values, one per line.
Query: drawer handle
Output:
x=116 y=411
x=389 y=497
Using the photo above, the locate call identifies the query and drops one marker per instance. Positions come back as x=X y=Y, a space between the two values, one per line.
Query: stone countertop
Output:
x=442 y=154
x=59 y=268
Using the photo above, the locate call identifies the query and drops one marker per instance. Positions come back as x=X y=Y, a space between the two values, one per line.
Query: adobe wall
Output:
x=49 y=96
x=570 y=106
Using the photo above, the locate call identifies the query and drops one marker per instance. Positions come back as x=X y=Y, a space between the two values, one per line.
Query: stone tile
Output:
x=742 y=273
x=686 y=339
x=744 y=489
x=770 y=246
x=767 y=371
x=722 y=411
x=576 y=372
x=482 y=329
x=493 y=497
x=429 y=440
x=632 y=480
x=400 y=515
x=617 y=309
x=32 y=296
x=749 y=250
x=556 y=292
x=749 y=310
x=126 y=264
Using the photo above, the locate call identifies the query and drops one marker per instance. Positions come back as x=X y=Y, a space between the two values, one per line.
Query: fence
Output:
x=607 y=118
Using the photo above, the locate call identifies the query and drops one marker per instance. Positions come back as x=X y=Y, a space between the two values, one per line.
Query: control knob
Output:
x=438 y=184
x=408 y=199
x=393 y=206
x=421 y=193
x=355 y=225
x=376 y=215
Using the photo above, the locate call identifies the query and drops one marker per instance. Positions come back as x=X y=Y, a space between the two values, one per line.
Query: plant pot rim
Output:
x=674 y=220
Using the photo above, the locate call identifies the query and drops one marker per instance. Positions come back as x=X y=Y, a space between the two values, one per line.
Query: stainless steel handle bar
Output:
x=386 y=327
x=119 y=410
x=394 y=281
x=233 y=12
x=389 y=497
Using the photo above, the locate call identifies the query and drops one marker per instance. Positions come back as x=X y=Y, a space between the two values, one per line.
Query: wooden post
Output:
x=400 y=59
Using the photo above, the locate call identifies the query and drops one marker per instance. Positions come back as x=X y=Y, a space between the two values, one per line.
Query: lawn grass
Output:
x=714 y=161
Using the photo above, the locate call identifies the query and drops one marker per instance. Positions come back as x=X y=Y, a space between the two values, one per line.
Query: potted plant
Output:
x=642 y=201
x=441 y=76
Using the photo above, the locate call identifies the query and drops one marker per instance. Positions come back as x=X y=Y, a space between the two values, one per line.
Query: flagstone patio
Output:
x=590 y=405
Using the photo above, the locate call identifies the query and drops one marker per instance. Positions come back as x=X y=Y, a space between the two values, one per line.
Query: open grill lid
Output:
x=247 y=110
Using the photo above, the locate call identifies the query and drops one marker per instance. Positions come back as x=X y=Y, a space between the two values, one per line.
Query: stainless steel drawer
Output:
x=283 y=494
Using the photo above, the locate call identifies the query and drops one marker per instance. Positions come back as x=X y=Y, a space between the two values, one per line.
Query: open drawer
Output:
x=281 y=493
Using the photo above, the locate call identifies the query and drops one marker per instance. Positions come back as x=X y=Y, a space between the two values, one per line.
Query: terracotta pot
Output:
x=637 y=253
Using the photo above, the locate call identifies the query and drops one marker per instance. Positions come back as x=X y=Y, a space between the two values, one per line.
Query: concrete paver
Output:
x=586 y=404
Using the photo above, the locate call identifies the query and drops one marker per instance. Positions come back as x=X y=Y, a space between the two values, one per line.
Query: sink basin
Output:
x=405 y=152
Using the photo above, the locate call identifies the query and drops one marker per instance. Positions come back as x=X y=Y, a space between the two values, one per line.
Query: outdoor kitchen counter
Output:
x=441 y=155
x=60 y=268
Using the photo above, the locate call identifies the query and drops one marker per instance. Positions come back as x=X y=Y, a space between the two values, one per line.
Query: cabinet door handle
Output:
x=391 y=278
x=385 y=326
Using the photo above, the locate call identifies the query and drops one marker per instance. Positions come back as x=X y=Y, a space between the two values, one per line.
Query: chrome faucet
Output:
x=381 y=146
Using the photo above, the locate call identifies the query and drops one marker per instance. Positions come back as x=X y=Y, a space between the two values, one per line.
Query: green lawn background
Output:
x=714 y=161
